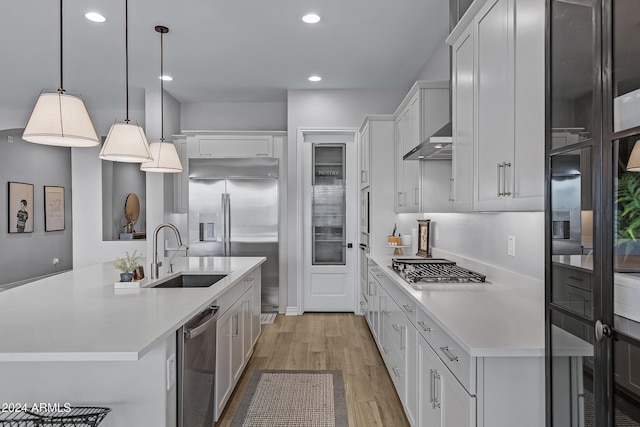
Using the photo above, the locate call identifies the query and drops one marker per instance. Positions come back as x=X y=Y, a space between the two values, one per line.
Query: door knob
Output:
x=602 y=330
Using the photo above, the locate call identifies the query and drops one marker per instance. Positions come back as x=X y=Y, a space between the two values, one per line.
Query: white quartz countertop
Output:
x=504 y=318
x=79 y=316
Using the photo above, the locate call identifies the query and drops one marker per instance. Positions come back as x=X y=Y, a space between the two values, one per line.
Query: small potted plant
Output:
x=392 y=239
x=126 y=265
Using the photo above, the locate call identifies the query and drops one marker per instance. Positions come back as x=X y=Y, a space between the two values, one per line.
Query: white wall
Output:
x=321 y=109
x=483 y=237
x=88 y=246
x=251 y=116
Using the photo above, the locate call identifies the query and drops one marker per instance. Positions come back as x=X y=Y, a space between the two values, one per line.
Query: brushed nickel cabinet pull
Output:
x=449 y=355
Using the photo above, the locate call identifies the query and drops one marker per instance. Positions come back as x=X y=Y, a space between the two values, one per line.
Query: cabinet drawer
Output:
x=452 y=354
x=404 y=301
x=566 y=276
x=226 y=300
x=395 y=366
x=395 y=329
x=461 y=364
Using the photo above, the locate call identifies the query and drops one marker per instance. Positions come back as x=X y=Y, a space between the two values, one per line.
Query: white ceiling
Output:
x=216 y=50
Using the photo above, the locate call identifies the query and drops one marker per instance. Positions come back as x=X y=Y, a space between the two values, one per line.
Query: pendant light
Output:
x=60 y=118
x=165 y=155
x=126 y=141
x=633 y=165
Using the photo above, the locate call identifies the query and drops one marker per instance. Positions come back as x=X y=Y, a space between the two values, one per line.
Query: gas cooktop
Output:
x=434 y=270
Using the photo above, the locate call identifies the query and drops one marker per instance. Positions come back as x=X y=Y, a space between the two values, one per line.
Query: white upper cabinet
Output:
x=236 y=145
x=424 y=110
x=462 y=94
x=503 y=72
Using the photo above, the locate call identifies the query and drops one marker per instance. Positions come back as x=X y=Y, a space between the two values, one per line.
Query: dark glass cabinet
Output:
x=593 y=213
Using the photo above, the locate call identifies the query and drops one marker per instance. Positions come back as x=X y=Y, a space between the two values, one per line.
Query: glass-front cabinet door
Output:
x=593 y=213
x=328 y=205
x=622 y=107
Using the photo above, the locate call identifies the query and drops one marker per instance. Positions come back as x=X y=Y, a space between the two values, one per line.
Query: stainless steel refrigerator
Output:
x=233 y=211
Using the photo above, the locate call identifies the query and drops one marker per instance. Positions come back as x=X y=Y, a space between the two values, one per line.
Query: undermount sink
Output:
x=191 y=281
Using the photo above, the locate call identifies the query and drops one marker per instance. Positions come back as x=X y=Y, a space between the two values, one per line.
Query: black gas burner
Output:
x=434 y=270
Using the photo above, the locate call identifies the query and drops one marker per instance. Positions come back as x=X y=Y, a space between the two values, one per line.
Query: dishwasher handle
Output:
x=211 y=316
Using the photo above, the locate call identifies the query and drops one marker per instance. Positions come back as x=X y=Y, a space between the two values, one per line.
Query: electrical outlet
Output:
x=436 y=232
x=511 y=245
x=171 y=371
x=9 y=139
x=56 y=261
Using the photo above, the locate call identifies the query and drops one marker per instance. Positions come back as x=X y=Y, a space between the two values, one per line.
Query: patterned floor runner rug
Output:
x=293 y=398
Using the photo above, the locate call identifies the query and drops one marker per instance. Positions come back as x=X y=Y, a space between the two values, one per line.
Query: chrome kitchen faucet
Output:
x=156 y=264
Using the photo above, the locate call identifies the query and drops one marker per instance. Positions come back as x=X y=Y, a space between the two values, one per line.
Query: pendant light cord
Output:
x=126 y=54
x=161 y=88
x=61 y=88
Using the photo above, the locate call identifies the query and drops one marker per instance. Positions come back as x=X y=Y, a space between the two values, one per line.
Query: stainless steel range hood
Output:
x=436 y=147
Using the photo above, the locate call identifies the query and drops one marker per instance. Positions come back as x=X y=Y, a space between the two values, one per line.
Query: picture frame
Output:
x=20 y=207
x=53 y=208
x=424 y=248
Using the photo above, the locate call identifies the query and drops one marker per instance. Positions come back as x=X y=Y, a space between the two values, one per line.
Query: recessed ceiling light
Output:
x=166 y=78
x=315 y=78
x=95 y=17
x=311 y=18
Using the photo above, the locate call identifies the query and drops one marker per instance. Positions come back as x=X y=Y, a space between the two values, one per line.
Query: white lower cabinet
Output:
x=443 y=400
x=438 y=382
x=236 y=334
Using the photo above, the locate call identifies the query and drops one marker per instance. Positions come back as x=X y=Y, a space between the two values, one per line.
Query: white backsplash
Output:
x=484 y=237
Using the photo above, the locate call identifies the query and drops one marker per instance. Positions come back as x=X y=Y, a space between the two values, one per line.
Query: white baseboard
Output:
x=292 y=311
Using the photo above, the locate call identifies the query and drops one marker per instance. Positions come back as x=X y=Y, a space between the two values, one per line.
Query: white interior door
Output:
x=330 y=185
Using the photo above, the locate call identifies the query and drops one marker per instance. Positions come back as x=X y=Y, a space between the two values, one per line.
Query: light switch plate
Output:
x=511 y=245
x=171 y=371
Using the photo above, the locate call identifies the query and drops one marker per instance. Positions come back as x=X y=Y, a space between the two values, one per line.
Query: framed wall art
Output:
x=424 y=249
x=20 y=207
x=53 y=208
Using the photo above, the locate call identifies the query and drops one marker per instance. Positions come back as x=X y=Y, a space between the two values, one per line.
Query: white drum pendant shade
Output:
x=126 y=143
x=60 y=119
x=165 y=159
x=633 y=165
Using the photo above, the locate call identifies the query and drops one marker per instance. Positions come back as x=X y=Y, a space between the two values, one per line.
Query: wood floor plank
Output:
x=321 y=341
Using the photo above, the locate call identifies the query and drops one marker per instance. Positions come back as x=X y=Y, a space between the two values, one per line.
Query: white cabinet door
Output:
x=236 y=145
x=364 y=146
x=247 y=308
x=463 y=121
x=237 y=340
x=429 y=413
x=443 y=400
x=493 y=105
x=411 y=369
x=528 y=162
x=507 y=64
x=224 y=379
x=458 y=407
x=256 y=300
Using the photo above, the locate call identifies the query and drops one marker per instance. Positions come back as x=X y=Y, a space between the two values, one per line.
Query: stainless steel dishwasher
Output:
x=196 y=373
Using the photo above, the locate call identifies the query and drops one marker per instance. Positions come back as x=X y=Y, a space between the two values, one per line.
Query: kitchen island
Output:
x=74 y=338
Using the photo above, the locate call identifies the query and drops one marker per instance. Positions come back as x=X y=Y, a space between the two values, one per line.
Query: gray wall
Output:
x=30 y=255
x=268 y=116
x=438 y=65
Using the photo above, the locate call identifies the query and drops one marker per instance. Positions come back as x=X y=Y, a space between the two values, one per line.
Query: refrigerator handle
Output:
x=228 y=225
x=224 y=224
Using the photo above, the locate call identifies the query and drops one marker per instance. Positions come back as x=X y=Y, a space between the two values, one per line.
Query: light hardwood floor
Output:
x=328 y=341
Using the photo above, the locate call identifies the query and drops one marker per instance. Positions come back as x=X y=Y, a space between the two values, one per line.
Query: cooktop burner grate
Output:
x=436 y=270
